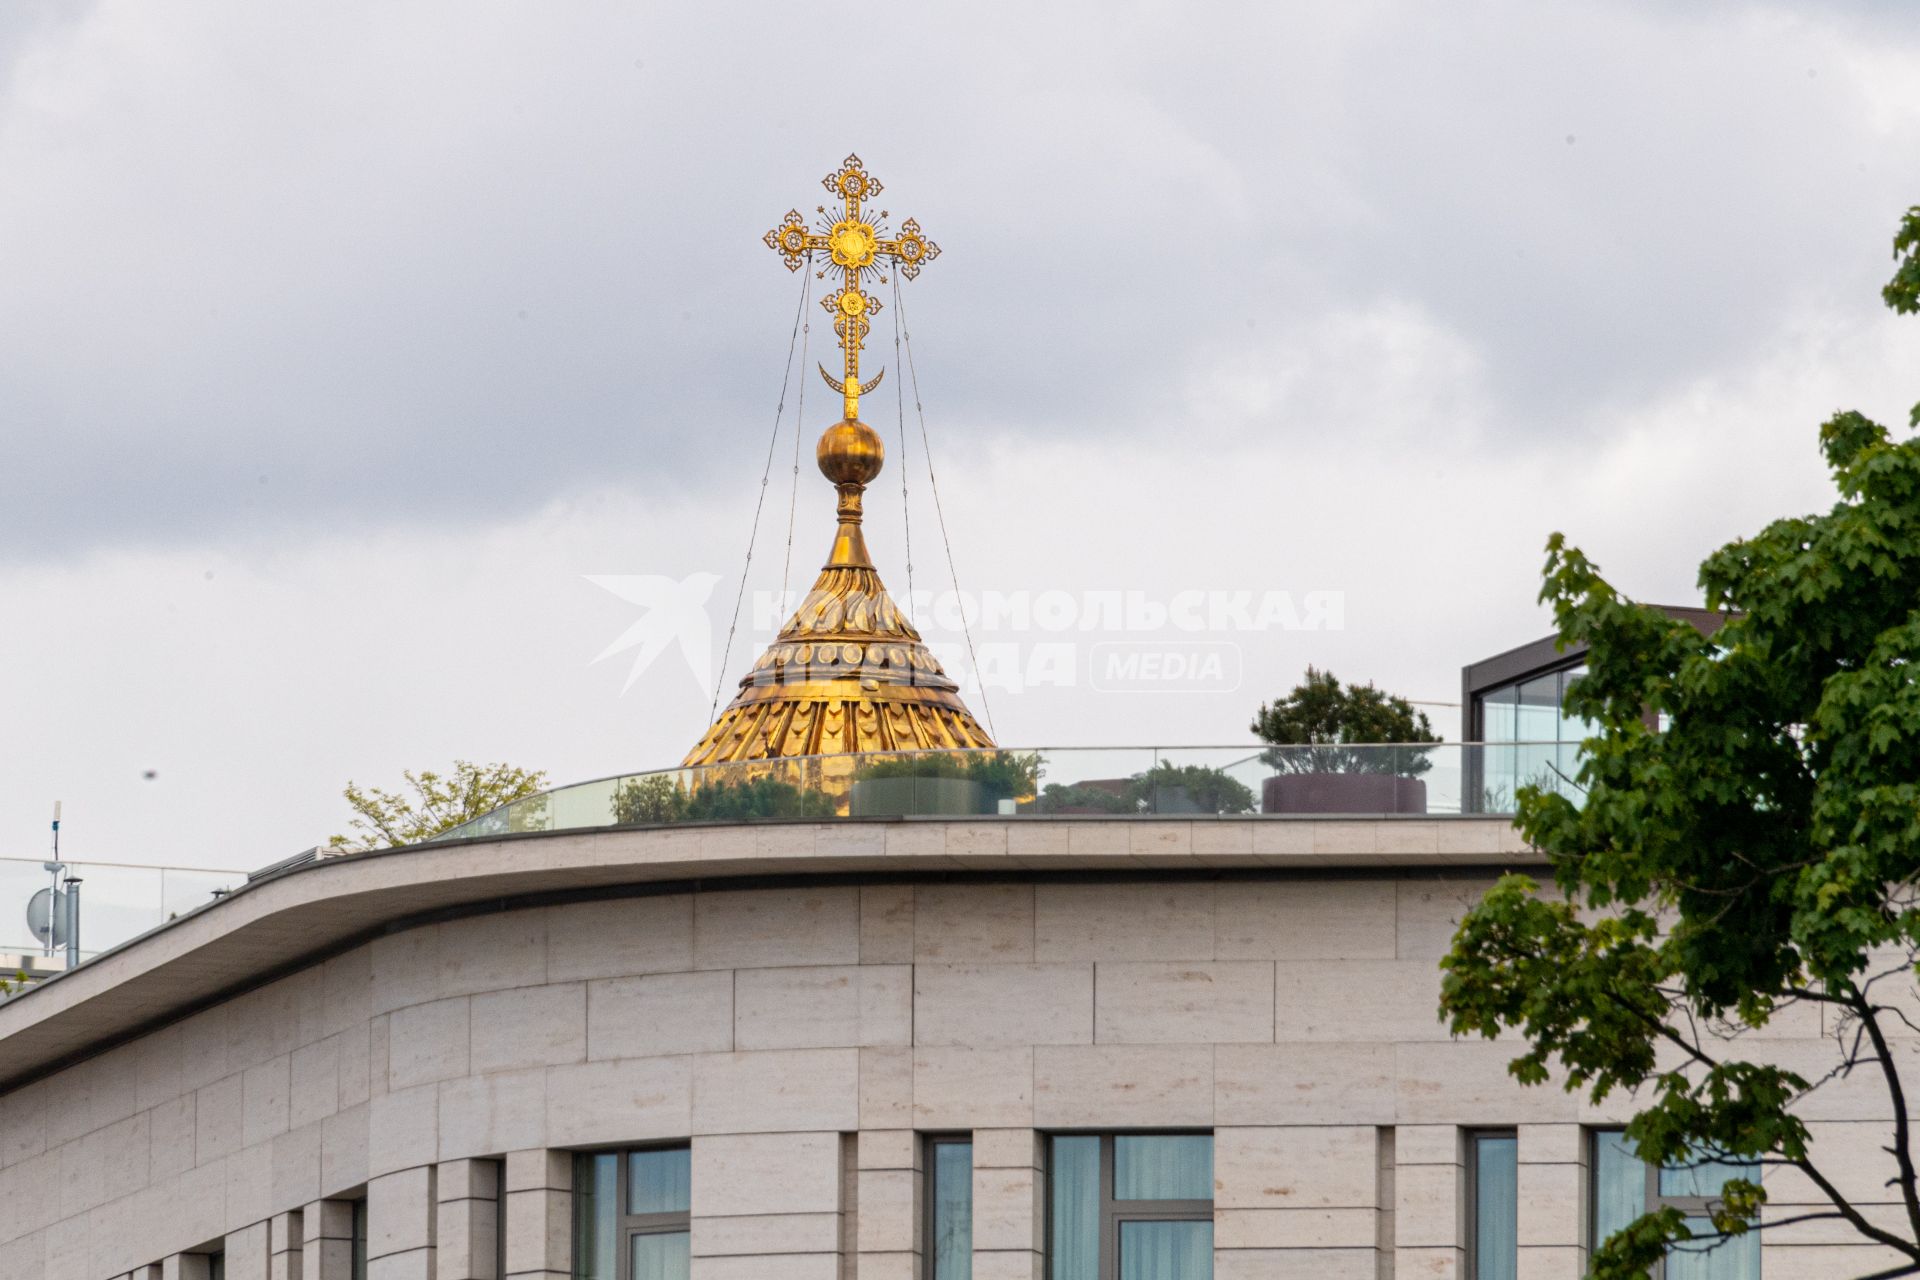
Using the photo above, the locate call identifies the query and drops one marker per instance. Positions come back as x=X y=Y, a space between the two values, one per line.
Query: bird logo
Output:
x=675 y=612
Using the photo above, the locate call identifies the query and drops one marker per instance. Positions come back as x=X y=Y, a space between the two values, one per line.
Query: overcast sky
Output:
x=340 y=344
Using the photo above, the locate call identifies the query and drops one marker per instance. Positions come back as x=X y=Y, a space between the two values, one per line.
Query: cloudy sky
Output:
x=342 y=345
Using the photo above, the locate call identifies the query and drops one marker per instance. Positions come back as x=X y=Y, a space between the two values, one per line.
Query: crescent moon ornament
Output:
x=841 y=387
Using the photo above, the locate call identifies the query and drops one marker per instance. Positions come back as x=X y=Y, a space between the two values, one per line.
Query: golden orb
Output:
x=850 y=453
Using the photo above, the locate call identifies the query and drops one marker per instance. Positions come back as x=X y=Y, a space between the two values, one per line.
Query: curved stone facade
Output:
x=799 y=1035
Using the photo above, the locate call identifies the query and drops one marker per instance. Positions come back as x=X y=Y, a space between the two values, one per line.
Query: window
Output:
x=217 y=1266
x=1530 y=739
x=630 y=1214
x=1624 y=1188
x=1130 y=1207
x=358 y=1265
x=500 y=1218
x=950 y=1209
x=1493 y=1215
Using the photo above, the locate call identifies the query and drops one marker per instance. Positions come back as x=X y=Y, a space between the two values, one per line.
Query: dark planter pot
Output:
x=1343 y=793
x=918 y=797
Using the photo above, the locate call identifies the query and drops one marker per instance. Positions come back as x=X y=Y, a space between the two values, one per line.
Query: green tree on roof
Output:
x=432 y=803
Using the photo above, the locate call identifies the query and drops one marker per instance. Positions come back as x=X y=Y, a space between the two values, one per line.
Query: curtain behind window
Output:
x=1166 y=1250
x=1075 y=1178
x=1496 y=1212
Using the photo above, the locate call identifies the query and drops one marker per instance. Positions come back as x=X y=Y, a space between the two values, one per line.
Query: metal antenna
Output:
x=54 y=868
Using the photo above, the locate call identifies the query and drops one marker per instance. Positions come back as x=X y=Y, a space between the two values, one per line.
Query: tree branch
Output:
x=1902 y=1143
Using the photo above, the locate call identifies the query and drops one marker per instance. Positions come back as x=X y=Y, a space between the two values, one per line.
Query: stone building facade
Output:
x=389 y=1064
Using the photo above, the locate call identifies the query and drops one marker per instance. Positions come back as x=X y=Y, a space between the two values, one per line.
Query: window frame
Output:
x=929 y=1146
x=1113 y=1212
x=628 y=1225
x=1470 y=1139
x=1651 y=1200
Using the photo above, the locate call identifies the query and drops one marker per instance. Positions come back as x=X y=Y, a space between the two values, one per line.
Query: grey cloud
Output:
x=375 y=263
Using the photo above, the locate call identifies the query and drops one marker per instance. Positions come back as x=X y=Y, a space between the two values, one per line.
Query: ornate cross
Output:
x=856 y=246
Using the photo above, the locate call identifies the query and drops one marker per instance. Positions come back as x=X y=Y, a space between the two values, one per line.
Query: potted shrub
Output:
x=1329 y=751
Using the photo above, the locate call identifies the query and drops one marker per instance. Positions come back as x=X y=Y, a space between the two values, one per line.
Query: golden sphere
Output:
x=850 y=453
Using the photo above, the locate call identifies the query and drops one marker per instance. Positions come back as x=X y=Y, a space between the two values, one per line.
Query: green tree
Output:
x=432 y=803
x=1208 y=789
x=1752 y=846
x=1329 y=718
x=756 y=798
x=649 y=801
x=1002 y=775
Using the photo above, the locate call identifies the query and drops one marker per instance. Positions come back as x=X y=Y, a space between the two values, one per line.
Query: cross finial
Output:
x=857 y=245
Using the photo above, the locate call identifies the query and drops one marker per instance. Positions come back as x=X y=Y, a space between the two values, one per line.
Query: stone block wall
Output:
x=801 y=1039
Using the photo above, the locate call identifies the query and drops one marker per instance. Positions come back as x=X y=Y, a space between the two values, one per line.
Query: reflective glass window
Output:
x=631 y=1214
x=1074 y=1205
x=1130 y=1207
x=1493 y=1164
x=1163 y=1167
x=1166 y=1250
x=660 y=1181
x=1623 y=1191
x=950 y=1249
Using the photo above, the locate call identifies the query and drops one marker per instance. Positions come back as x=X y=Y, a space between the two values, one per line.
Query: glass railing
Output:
x=118 y=901
x=1441 y=779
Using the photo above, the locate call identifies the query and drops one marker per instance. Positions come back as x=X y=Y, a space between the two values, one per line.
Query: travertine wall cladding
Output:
x=799 y=1037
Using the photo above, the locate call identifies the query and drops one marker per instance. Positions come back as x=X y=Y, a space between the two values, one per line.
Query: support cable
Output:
x=933 y=483
x=799 y=426
x=900 y=411
x=766 y=473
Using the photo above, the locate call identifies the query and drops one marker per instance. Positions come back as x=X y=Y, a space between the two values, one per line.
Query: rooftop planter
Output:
x=1344 y=749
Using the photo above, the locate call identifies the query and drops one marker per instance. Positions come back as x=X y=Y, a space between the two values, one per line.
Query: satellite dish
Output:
x=51 y=932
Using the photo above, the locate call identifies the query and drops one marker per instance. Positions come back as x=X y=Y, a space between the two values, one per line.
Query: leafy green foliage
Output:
x=757 y=798
x=1167 y=787
x=1903 y=291
x=661 y=799
x=648 y=801
x=1329 y=717
x=1002 y=775
x=432 y=803
x=1748 y=840
x=1079 y=797
x=1207 y=790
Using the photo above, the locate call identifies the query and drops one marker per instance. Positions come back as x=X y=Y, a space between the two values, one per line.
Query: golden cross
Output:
x=856 y=246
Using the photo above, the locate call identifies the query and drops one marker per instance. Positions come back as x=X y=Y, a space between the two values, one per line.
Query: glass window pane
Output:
x=1166 y=1250
x=357 y=1261
x=660 y=1181
x=1074 y=1182
x=661 y=1256
x=1704 y=1177
x=596 y=1210
x=1498 y=708
x=952 y=1211
x=1728 y=1258
x=1163 y=1167
x=1572 y=728
x=1496 y=1214
x=1620 y=1184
